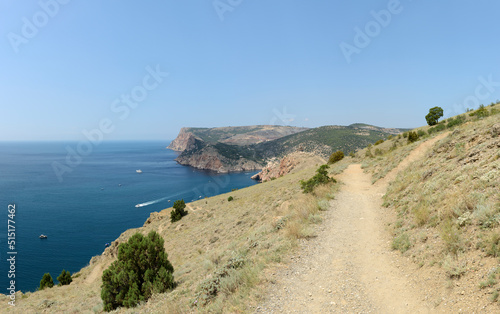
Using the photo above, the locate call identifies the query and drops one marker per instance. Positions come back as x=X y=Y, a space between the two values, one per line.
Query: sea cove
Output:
x=94 y=204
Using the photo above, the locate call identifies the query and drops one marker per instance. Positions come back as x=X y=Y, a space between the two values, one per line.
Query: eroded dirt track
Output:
x=349 y=267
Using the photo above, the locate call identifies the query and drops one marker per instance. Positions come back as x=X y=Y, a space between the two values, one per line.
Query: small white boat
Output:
x=43 y=236
x=138 y=171
x=140 y=205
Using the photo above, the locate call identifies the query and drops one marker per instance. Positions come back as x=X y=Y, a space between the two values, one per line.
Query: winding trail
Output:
x=349 y=267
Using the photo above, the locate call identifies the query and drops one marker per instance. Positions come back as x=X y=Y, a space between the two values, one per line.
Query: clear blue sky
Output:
x=261 y=62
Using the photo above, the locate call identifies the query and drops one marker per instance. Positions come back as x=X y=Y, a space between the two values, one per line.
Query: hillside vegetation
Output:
x=447 y=204
x=325 y=140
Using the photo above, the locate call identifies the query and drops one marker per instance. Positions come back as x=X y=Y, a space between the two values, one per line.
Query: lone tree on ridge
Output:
x=433 y=116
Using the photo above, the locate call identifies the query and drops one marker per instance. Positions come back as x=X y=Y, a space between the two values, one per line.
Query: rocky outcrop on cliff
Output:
x=276 y=168
x=210 y=158
x=184 y=141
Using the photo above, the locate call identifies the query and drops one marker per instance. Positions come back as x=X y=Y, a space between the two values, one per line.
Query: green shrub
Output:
x=141 y=269
x=379 y=142
x=46 y=282
x=378 y=152
x=412 y=137
x=352 y=154
x=230 y=198
x=493 y=245
x=323 y=205
x=456 y=121
x=421 y=133
x=368 y=153
x=451 y=237
x=321 y=177
x=482 y=112
x=438 y=128
x=178 y=212
x=401 y=243
x=394 y=146
x=494 y=296
x=337 y=156
x=64 y=278
x=488 y=283
x=454 y=268
x=212 y=286
x=433 y=116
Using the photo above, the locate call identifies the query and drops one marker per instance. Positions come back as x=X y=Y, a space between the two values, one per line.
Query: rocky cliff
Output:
x=183 y=141
x=276 y=168
x=210 y=158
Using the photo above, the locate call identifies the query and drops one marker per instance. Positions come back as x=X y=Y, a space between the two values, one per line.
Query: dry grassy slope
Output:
x=447 y=213
x=214 y=231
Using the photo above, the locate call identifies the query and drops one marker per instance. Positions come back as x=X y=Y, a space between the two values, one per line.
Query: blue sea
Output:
x=91 y=202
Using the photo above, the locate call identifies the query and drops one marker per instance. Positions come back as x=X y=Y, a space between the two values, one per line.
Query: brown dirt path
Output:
x=349 y=267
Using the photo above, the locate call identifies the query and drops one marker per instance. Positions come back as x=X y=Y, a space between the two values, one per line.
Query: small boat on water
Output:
x=43 y=236
x=140 y=205
x=138 y=171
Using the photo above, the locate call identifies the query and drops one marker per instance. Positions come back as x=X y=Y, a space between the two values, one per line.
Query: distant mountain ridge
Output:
x=250 y=147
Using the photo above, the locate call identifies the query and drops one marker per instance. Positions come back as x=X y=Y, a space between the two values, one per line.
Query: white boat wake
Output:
x=170 y=197
x=151 y=202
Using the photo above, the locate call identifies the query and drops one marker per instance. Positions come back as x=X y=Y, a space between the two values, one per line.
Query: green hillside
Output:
x=324 y=140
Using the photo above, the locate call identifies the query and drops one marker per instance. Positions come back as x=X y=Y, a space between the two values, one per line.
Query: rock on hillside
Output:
x=295 y=161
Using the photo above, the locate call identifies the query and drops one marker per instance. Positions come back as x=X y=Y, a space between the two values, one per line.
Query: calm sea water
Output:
x=93 y=205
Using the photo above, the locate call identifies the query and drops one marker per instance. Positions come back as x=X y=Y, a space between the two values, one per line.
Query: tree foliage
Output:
x=141 y=269
x=321 y=177
x=178 y=212
x=64 y=278
x=46 y=281
x=412 y=137
x=433 y=116
x=337 y=156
